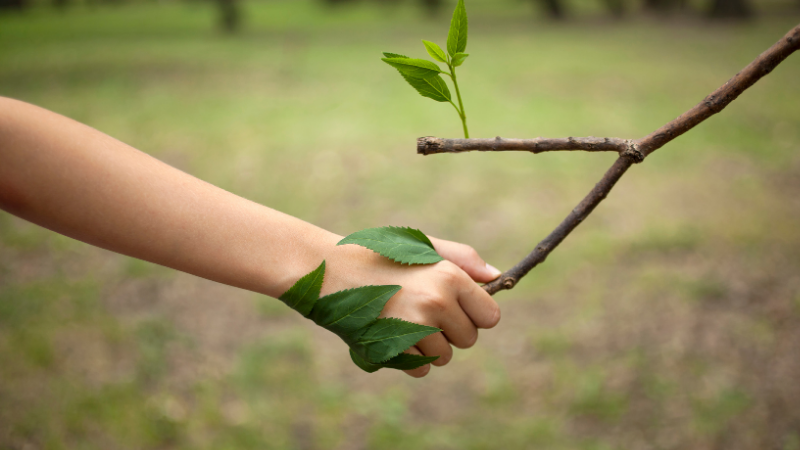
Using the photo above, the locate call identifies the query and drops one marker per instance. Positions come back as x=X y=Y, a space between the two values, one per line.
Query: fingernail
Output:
x=493 y=270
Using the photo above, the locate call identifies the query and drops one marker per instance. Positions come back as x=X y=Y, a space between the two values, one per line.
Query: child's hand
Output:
x=81 y=183
x=444 y=295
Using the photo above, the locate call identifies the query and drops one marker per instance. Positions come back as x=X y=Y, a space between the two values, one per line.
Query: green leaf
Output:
x=304 y=294
x=400 y=244
x=353 y=315
x=348 y=312
x=403 y=361
x=435 y=51
x=415 y=68
x=459 y=58
x=394 y=55
x=389 y=337
x=457 y=37
x=432 y=87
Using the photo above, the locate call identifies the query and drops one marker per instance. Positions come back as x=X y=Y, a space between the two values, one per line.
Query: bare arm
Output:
x=74 y=180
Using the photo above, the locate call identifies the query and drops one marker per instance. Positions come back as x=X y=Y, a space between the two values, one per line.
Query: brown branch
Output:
x=430 y=145
x=630 y=151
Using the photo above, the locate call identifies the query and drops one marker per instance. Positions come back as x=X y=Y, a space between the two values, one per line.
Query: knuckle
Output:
x=490 y=316
x=469 y=340
x=450 y=273
x=495 y=315
x=436 y=303
x=444 y=358
x=419 y=372
x=472 y=254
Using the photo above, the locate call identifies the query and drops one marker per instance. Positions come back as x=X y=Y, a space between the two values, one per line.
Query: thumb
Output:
x=466 y=258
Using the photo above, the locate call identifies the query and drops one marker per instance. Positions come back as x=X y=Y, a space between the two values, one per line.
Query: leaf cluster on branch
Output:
x=424 y=76
x=631 y=151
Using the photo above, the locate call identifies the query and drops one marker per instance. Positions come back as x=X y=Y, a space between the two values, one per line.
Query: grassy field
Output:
x=669 y=320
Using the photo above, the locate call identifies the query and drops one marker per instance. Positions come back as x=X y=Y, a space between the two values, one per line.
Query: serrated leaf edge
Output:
x=424 y=329
x=456 y=31
x=373 y=367
x=424 y=239
x=437 y=69
x=447 y=98
x=394 y=287
x=311 y=286
x=435 y=51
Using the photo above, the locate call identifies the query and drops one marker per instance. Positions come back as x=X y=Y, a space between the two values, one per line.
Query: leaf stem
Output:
x=461 y=112
x=458 y=111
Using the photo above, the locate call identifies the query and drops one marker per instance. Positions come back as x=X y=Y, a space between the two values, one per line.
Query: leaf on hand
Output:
x=432 y=87
x=389 y=337
x=457 y=37
x=353 y=315
x=414 y=68
x=304 y=294
x=435 y=51
x=400 y=244
x=459 y=58
x=403 y=361
x=347 y=312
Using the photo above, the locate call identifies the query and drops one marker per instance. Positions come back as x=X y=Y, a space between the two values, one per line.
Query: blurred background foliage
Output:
x=669 y=320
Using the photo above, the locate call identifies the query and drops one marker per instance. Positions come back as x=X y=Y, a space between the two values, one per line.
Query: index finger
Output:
x=479 y=305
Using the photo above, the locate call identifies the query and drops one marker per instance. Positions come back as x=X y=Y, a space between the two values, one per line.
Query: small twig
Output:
x=630 y=151
x=430 y=145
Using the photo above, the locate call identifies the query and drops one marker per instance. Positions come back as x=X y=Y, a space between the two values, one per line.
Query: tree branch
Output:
x=430 y=145
x=630 y=151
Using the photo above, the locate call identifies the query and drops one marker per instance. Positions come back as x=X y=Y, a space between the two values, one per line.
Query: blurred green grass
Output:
x=668 y=320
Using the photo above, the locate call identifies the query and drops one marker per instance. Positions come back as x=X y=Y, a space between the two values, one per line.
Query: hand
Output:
x=141 y=207
x=443 y=295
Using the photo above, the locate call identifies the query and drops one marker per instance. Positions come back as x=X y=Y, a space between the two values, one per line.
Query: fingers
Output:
x=436 y=345
x=457 y=326
x=467 y=259
x=433 y=345
x=456 y=304
x=479 y=305
x=419 y=372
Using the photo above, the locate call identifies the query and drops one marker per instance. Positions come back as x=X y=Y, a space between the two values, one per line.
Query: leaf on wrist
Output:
x=352 y=314
x=403 y=361
x=389 y=337
x=348 y=312
x=304 y=294
x=435 y=51
x=414 y=68
x=457 y=37
x=400 y=244
x=459 y=58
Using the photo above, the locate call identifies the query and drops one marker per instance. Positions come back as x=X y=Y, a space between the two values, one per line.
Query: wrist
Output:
x=305 y=249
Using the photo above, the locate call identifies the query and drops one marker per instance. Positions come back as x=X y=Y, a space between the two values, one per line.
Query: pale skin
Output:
x=77 y=181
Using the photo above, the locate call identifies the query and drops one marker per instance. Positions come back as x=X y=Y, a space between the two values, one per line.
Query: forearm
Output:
x=79 y=182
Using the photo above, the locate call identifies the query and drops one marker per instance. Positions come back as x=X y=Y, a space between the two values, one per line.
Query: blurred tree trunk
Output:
x=659 y=6
x=553 y=8
x=230 y=18
x=60 y=4
x=730 y=9
x=615 y=7
x=18 y=5
x=432 y=7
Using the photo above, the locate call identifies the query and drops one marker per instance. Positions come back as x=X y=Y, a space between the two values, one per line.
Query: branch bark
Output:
x=430 y=145
x=631 y=151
